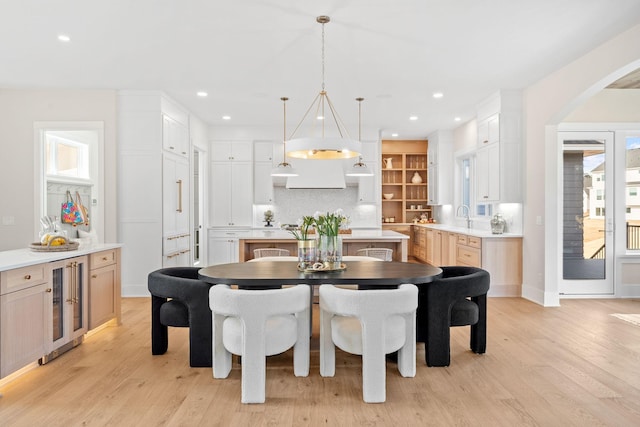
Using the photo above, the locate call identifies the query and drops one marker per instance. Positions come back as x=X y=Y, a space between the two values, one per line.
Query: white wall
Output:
x=546 y=104
x=609 y=106
x=19 y=110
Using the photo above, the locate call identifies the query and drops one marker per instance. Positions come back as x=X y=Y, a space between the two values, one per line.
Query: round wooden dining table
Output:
x=273 y=273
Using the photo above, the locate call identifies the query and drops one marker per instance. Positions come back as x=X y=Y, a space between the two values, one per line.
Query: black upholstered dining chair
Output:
x=457 y=298
x=179 y=299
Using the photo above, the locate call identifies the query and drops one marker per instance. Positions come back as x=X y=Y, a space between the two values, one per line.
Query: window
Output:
x=633 y=191
x=466 y=181
x=599 y=194
x=467 y=193
x=65 y=157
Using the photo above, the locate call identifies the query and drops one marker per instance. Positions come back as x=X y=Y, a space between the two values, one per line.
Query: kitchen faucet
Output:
x=463 y=207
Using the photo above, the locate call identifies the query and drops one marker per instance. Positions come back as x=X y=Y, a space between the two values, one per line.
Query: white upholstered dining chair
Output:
x=255 y=324
x=372 y=323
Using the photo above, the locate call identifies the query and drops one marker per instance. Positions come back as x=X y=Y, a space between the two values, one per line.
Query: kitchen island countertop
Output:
x=279 y=234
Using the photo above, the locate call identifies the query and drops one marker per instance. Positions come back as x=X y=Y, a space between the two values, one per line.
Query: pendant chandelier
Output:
x=359 y=168
x=284 y=168
x=319 y=146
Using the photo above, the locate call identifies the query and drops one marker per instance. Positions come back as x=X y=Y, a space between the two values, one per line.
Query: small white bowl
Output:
x=388 y=196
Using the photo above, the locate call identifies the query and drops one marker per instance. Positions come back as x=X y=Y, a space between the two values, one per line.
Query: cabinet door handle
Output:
x=27 y=277
x=104 y=258
x=94 y=276
x=179 y=182
x=48 y=290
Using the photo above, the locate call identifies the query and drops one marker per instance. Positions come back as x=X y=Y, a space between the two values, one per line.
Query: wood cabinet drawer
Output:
x=474 y=242
x=101 y=259
x=468 y=256
x=462 y=239
x=22 y=278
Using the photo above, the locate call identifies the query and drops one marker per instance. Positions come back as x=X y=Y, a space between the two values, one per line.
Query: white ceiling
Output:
x=248 y=53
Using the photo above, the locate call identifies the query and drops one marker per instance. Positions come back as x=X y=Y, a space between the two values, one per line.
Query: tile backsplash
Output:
x=292 y=204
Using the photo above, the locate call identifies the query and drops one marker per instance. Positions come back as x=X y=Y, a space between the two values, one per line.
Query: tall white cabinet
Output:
x=440 y=161
x=231 y=184
x=153 y=186
x=499 y=149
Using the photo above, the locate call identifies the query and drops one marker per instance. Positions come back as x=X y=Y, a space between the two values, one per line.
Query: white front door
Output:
x=587 y=220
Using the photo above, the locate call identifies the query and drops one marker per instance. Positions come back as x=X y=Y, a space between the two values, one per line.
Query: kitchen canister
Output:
x=497 y=224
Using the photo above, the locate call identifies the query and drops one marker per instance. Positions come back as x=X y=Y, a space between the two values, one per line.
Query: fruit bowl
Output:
x=388 y=196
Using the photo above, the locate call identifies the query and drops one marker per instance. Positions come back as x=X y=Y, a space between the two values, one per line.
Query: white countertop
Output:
x=24 y=257
x=484 y=234
x=278 y=234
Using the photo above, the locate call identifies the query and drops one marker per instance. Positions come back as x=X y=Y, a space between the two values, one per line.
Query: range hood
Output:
x=317 y=174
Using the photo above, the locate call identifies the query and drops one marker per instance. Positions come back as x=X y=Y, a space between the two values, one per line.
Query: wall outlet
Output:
x=539 y=220
x=8 y=220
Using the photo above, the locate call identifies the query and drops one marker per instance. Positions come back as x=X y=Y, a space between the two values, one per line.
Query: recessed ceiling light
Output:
x=64 y=38
x=320 y=117
x=202 y=94
x=457 y=119
x=413 y=117
x=438 y=95
x=226 y=117
x=394 y=134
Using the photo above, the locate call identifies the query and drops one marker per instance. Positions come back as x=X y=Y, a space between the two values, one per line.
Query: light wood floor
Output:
x=570 y=366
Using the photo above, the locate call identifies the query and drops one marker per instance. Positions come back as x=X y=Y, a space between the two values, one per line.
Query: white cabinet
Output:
x=149 y=123
x=488 y=173
x=499 y=153
x=239 y=151
x=25 y=317
x=267 y=151
x=175 y=136
x=489 y=130
x=231 y=194
x=262 y=183
x=224 y=245
x=265 y=157
x=439 y=166
x=175 y=211
x=368 y=185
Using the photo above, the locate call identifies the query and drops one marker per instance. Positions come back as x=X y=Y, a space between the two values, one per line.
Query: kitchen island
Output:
x=357 y=239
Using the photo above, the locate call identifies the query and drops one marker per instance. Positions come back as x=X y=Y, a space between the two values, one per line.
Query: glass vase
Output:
x=307 y=254
x=330 y=251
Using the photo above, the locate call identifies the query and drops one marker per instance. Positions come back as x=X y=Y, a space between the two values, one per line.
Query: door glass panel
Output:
x=584 y=177
x=632 y=199
x=77 y=295
x=58 y=306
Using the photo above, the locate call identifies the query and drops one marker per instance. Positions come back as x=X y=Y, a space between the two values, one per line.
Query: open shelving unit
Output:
x=409 y=200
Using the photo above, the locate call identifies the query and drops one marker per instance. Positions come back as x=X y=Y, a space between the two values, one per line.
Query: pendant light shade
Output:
x=321 y=146
x=359 y=169
x=284 y=168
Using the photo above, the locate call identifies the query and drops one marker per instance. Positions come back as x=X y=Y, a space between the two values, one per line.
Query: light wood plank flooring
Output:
x=569 y=366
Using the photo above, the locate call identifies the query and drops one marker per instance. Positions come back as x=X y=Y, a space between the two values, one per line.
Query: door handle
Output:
x=179 y=182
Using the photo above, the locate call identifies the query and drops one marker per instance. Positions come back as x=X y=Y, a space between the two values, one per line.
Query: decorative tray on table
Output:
x=54 y=244
x=320 y=267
